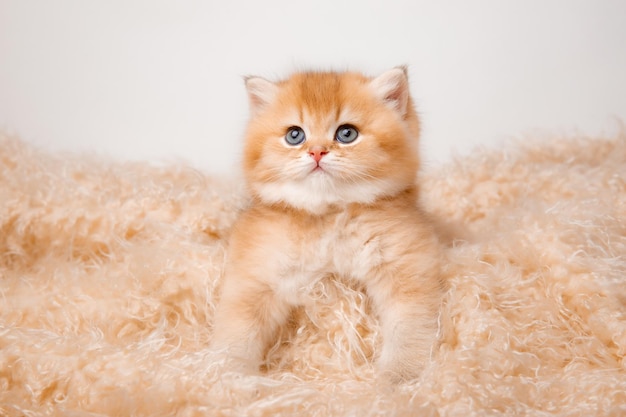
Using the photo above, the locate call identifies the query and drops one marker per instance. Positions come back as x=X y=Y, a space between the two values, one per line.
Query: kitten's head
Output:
x=322 y=139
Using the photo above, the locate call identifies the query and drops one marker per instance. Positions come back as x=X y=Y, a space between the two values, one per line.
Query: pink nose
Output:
x=317 y=153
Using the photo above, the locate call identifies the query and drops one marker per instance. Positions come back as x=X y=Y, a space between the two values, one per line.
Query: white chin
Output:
x=318 y=192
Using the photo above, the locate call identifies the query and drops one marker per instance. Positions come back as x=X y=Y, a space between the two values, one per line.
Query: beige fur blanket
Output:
x=109 y=272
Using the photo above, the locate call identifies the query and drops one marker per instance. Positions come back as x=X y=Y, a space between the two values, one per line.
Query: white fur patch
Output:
x=318 y=191
x=336 y=184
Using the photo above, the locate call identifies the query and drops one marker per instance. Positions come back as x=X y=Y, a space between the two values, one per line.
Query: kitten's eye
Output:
x=346 y=134
x=295 y=136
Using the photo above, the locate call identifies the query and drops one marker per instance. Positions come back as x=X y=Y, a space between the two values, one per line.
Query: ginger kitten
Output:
x=330 y=160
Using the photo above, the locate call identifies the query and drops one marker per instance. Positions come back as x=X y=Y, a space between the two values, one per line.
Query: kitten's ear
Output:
x=260 y=92
x=392 y=87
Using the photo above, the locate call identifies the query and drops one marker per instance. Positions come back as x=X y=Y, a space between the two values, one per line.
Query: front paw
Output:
x=400 y=366
x=397 y=374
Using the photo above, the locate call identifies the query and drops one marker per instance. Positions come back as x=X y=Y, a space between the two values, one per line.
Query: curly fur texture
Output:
x=108 y=273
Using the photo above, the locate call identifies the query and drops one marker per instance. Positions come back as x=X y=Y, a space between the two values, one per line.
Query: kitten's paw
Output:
x=400 y=366
x=395 y=375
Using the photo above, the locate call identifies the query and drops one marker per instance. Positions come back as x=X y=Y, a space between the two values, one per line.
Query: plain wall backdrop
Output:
x=161 y=80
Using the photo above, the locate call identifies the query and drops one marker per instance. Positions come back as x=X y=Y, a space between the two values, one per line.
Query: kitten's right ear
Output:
x=261 y=92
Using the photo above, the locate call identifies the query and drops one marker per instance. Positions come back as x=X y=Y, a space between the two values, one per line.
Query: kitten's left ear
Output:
x=261 y=92
x=392 y=87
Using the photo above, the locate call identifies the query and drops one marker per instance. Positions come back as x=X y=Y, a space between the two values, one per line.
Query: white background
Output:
x=161 y=80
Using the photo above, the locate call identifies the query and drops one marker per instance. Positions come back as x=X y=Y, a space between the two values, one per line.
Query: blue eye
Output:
x=346 y=134
x=295 y=136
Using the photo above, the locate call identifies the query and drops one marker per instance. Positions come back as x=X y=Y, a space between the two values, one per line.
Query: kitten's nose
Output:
x=317 y=152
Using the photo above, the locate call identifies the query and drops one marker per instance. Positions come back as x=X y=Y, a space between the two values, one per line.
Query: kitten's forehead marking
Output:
x=319 y=105
x=326 y=124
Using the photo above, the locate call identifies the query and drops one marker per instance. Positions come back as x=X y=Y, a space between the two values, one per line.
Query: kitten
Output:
x=330 y=160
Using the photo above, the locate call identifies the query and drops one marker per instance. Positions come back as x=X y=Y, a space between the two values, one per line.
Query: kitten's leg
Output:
x=245 y=322
x=407 y=299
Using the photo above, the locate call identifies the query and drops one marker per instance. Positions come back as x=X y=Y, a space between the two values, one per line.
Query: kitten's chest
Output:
x=342 y=244
x=296 y=252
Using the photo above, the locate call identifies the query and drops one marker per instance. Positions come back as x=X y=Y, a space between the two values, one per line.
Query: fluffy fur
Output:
x=324 y=208
x=108 y=277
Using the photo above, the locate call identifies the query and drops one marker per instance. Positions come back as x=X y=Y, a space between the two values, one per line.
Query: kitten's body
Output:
x=324 y=207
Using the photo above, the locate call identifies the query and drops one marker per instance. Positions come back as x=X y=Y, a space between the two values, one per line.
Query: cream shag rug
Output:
x=108 y=276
